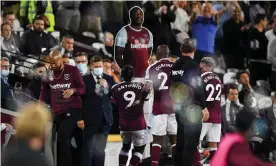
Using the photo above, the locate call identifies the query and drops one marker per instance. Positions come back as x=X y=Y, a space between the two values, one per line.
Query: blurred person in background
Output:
x=67 y=60
x=66 y=46
x=159 y=14
x=98 y=108
x=39 y=73
x=10 y=19
x=254 y=10
x=224 y=10
x=249 y=101
x=230 y=109
x=68 y=15
x=204 y=26
x=270 y=34
x=152 y=59
x=43 y=41
x=30 y=137
x=243 y=78
x=180 y=26
x=234 y=149
x=107 y=66
x=271 y=57
x=62 y=89
x=116 y=72
x=93 y=14
x=8 y=43
x=82 y=63
x=257 y=50
x=233 y=40
x=30 y=9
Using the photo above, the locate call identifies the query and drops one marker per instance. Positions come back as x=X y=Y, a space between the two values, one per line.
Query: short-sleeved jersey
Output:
x=213 y=89
x=128 y=97
x=136 y=44
x=160 y=75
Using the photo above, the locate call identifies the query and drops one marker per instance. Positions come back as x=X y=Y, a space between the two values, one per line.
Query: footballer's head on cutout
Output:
x=136 y=16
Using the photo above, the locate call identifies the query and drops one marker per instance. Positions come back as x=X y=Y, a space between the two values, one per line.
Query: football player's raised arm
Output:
x=80 y=86
x=45 y=93
x=150 y=44
x=120 y=43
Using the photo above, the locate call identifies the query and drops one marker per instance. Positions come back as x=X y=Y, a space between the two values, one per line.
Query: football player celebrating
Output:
x=213 y=87
x=129 y=97
x=133 y=44
x=163 y=114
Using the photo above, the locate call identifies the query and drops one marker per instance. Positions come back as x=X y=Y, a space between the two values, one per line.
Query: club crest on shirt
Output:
x=142 y=40
x=66 y=76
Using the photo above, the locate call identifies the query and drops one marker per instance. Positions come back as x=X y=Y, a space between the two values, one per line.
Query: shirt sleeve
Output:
x=147 y=74
x=240 y=155
x=150 y=44
x=121 y=38
x=79 y=83
x=45 y=92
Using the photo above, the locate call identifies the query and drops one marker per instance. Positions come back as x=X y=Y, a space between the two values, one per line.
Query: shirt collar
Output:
x=205 y=73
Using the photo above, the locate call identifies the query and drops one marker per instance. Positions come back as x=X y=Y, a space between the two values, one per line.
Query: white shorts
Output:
x=161 y=124
x=138 y=138
x=212 y=131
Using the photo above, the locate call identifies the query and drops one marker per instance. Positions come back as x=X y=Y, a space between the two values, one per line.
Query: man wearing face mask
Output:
x=62 y=89
x=43 y=41
x=34 y=86
x=97 y=116
x=5 y=87
x=82 y=62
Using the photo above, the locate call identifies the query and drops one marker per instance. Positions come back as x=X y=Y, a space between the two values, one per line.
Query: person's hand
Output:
x=81 y=124
x=164 y=9
x=205 y=114
x=68 y=93
x=103 y=83
x=175 y=4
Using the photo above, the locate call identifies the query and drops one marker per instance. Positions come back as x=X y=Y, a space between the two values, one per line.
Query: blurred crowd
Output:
x=240 y=36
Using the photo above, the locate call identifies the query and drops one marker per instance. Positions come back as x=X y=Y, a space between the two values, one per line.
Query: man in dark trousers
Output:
x=63 y=88
x=190 y=109
x=97 y=118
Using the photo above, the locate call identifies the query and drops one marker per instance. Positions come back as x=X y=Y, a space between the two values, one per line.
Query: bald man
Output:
x=163 y=120
x=62 y=89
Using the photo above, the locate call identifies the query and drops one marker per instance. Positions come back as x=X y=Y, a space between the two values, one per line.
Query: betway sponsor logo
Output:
x=138 y=45
x=178 y=72
x=61 y=86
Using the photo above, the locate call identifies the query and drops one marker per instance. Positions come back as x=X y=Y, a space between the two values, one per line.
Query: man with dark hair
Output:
x=243 y=78
x=257 y=50
x=82 y=62
x=213 y=88
x=63 y=88
x=234 y=149
x=188 y=94
x=41 y=41
x=230 y=109
x=107 y=66
x=163 y=120
x=129 y=97
x=38 y=74
x=97 y=118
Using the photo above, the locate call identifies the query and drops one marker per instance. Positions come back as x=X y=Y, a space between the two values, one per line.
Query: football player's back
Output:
x=129 y=100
